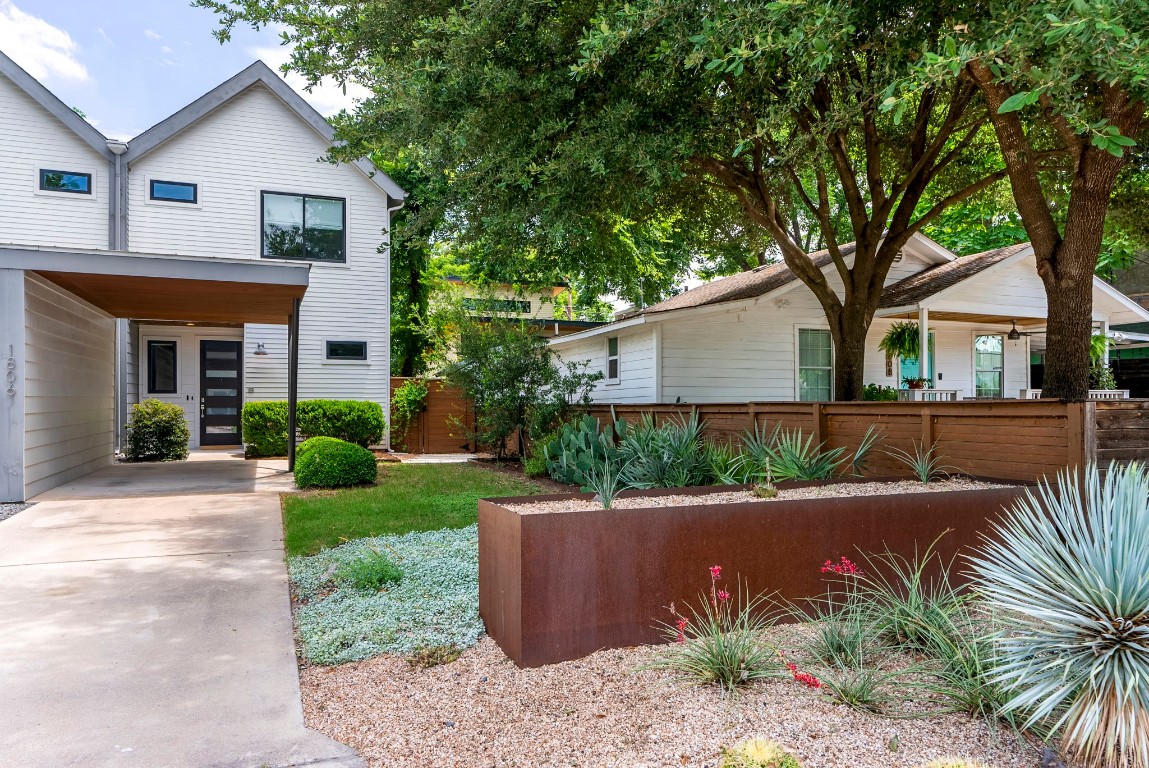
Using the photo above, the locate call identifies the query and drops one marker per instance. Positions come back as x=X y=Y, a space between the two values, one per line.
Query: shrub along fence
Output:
x=1006 y=439
x=265 y=423
x=436 y=429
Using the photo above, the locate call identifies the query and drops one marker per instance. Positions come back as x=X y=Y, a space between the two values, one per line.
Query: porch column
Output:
x=1105 y=336
x=292 y=379
x=12 y=384
x=924 y=343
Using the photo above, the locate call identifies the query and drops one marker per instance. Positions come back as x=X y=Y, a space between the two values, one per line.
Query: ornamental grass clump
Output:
x=1068 y=571
x=758 y=753
x=721 y=640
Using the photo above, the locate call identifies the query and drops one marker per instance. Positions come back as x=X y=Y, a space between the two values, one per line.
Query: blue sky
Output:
x=127 y=64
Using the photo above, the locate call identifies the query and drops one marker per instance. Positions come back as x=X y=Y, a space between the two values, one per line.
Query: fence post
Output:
x=1089 y=433
x=819 y=415
x=927 y=429
x=1075 y=423
x=753 y=417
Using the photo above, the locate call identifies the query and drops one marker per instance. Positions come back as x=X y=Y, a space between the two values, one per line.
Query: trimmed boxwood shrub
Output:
x=265 y=423
x=157 y=431
x=356 y=421
x=265 y=427
x=326 y=462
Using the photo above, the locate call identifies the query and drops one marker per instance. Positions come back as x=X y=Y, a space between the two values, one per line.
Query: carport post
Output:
x=292 y=379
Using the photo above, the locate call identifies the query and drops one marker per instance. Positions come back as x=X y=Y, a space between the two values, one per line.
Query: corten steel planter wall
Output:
x=559 y=586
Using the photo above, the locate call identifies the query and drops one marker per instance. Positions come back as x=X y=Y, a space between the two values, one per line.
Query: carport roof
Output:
x=166 y=287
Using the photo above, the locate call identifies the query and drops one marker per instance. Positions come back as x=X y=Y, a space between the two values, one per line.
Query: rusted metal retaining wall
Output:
x=1010 y=439
x=558 y=586
x=436 y=430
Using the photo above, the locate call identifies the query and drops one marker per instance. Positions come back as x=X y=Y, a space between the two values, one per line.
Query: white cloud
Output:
x=47 y=52
x=166 y=49
x=327 y=97
x=152 y=35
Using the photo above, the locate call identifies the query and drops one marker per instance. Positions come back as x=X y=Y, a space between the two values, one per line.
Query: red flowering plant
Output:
x=721 y=639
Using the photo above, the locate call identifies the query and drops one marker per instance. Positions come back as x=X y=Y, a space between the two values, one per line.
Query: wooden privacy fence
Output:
x=1007 y=439
x=436 y=430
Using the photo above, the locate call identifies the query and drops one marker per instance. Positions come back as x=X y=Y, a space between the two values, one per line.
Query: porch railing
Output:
x=1094 y=394
x=927 y=395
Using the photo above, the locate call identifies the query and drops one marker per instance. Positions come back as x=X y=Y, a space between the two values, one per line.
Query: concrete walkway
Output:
x=144 y=621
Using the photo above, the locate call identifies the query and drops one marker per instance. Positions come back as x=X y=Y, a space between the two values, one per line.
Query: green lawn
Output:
x=407 y=497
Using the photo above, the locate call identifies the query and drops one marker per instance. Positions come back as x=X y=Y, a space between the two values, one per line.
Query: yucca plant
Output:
x=860 y=686
x=789 y=455
x=925 y=465
x=1068 y=570
x=606 y=481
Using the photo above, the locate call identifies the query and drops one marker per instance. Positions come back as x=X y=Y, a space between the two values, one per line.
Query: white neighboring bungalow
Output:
x=175 y=266
x=761 y=335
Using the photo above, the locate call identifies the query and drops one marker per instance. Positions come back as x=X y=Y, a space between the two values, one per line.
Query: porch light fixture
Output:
x=260 y=350
x=1013 y=334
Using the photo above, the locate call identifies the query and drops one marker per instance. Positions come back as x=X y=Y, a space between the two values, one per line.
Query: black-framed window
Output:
x=173 y=191
x=307 y=227
x=65 y=181
x=346 y=350
x=162 y=368
x=502 y=306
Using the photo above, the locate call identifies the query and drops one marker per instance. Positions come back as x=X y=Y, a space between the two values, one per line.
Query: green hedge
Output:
x=326 y=462
x=157 y=431
x=355 y=421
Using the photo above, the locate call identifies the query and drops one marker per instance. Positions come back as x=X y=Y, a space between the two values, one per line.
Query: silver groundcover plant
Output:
x=1069 y=574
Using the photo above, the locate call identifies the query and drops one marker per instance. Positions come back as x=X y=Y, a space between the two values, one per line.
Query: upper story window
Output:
x=65 y=181
x=173 y=191
x=502 y=306
x=304 y=227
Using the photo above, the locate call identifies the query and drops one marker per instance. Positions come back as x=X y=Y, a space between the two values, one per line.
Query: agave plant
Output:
x=1068 y=570
x=790 y=455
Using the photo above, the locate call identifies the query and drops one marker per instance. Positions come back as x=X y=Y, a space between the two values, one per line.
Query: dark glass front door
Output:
x=220 y=392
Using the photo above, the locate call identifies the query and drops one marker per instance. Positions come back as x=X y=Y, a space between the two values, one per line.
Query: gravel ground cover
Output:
x=7 y=510
x=481 y=711
x=435 y=603
x=731 y=497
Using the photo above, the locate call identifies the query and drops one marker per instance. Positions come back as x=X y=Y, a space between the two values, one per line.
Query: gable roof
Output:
x=919 y=287
x=257 y=73
x=744 y=285
x=58 y=109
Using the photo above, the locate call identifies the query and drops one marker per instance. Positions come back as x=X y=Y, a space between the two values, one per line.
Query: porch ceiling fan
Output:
x=1015 y=335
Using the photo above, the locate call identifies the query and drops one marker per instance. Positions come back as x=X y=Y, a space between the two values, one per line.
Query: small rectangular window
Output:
x=346 y=350
x=612 y=358
x=162 y=368
x=498 y=306
x=815 y=365
x=304 y=227
x=174 y=191
x=65 y=181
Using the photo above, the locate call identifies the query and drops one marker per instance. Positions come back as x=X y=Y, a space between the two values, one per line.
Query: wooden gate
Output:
x=440 y=427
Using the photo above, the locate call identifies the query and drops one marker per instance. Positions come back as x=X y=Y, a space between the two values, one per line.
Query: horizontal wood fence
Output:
x=437 y=428
x=1007 y=439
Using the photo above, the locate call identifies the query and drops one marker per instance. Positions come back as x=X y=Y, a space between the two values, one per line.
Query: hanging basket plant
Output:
x=902 y=340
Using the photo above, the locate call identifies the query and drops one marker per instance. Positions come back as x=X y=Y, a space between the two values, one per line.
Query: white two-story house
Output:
x=212 y=260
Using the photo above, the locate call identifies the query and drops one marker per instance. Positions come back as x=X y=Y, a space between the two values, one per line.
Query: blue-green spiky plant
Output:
x=1068 y=570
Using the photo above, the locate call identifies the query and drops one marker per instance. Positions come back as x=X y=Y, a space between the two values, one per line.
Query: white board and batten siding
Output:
x=69 y=403
x=34 y=139
x=278 y=153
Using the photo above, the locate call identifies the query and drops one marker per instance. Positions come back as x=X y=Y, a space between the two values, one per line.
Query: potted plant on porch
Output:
x=902 y=340
x=917 y=382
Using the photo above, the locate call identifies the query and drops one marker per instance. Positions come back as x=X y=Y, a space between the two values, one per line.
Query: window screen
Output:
x=815 y=365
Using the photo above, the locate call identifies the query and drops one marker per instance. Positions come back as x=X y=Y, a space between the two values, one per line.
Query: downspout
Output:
x=387 y=406
x=116 y=231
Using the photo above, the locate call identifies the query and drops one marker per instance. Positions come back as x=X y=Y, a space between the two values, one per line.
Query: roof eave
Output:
x=57 y=108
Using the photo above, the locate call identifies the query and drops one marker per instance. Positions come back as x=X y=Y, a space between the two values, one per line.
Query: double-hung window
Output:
x=989 y=366
x=612 y=360
x=815 y=365
x=306 y=227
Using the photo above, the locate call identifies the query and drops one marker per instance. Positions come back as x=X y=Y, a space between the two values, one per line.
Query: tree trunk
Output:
x=1070 y=324
x=849 y=332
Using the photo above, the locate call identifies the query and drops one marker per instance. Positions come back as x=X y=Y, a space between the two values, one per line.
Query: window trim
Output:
x=617 y=357
x=798 y=362
x=151 y=377
x=973 y=361
x=263 y=254
x=327 y=351
x=154 y=198
x=91 y=177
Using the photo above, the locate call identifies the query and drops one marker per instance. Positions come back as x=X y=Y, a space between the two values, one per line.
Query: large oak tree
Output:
x=617 y=138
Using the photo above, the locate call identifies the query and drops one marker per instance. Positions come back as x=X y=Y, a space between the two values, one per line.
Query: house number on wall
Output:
x=10 y=371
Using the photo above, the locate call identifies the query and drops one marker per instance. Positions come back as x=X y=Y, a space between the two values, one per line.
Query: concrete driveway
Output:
x=145 y=621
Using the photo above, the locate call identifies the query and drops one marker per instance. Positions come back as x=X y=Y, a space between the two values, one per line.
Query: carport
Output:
x=58 y=318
